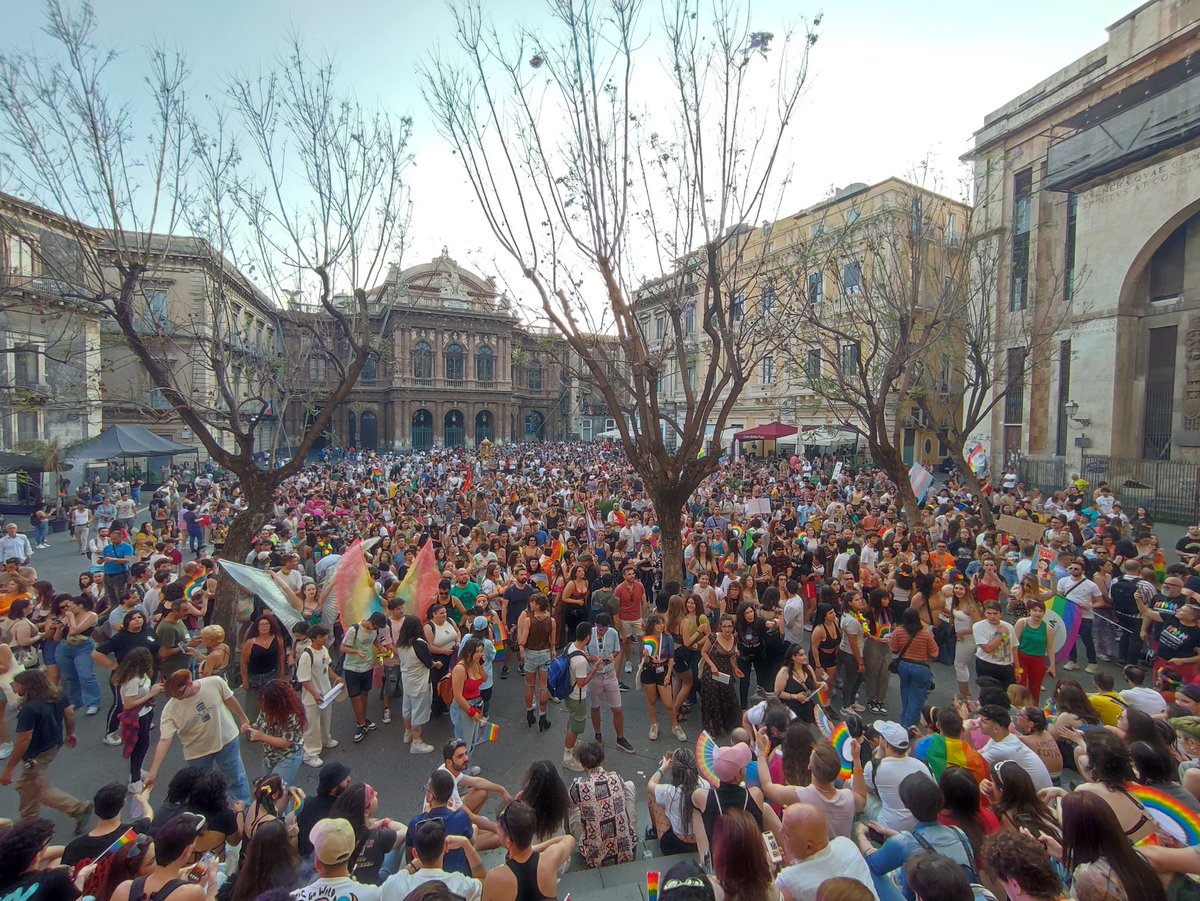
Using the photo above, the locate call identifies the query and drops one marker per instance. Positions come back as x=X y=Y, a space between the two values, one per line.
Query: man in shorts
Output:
x=358 y=644
x=605 y=647
x=583 y=668
x=631 y=614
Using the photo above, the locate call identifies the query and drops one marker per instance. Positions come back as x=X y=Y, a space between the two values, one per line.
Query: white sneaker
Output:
x=654 y=732
x=332 y=743
x=571 y=762
x=387 y=716
x=679 y=733
x=6 y=750
x=419 y=747
x=407 y=735
x=628 y=667
x=1092 y=668
x=92 y=711
x=1070 y=664
x=314 y=762
x=113 y=738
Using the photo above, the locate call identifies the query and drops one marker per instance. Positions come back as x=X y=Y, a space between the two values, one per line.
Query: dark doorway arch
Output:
x=535 y=426
x=351 y=428
x=454 y=429
x=422 y=430
x=485 y=426
x=368 y=430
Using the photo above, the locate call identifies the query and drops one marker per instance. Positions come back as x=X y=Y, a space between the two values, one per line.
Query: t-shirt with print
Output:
x=337 y=888
x=1178 y=640
x=202 y=722
x=41 y=885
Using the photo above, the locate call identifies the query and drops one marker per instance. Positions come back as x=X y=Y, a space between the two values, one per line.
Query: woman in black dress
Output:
x=796 y=682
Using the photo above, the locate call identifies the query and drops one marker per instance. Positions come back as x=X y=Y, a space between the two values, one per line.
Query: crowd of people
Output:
x=803 y=598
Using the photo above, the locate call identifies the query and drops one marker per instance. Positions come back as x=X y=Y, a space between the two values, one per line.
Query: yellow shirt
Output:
x=1108 y=705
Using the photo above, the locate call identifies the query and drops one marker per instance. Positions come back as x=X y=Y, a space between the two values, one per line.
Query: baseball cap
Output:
x=893 y=733
x=332 y=841
x=731 y=761
x=479 y=624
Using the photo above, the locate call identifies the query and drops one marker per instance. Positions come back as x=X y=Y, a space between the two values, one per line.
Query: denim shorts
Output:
x=537 y=660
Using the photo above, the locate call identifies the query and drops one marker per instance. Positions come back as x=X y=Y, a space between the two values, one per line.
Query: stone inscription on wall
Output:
x=1143 y=179
x=1191 y=388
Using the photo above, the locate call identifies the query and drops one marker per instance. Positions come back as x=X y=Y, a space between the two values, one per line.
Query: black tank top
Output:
x=526 y=875
x=728 y=797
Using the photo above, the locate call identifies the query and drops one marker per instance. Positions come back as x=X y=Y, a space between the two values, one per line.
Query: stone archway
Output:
x=485 y=426
x=368 y=430
x=535 y=426
x=422 y=429
x=454 y=429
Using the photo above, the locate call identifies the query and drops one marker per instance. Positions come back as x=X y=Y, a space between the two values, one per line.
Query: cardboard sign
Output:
x=1026 y=530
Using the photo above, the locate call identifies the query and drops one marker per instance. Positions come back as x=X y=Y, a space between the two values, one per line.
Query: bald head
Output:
x=804 y=831
x=739 y=736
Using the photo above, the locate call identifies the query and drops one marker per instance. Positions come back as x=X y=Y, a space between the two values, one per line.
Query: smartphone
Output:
x=201 y=867
x=773 y=852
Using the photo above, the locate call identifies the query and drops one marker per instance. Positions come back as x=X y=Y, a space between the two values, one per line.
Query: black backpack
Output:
x=1124 y=596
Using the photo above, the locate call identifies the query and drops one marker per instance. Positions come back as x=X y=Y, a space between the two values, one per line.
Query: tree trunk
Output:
x=258 y=487
x=891 y=462
x=668 y=502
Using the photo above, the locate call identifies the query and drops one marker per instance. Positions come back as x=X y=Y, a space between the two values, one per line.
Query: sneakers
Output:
x=6 y=750
x=314 y=762
x=571 y=762
x=624 y=745
x=1092 y=668
x=853 y=708
x=332 y=743
x=360 y=732
x=419 y=747
x=371 y=726
x=628 y=667
x=599 y=739
x=387 y=717
x=1104 y=658
x=622 y=686
x=1070 y=664
x=407 y=735
x=92 y=711
x=877 y=707
x=653 y=732
x=504 y=672
x=473 y=771
x=113 y=738
x=679 y=733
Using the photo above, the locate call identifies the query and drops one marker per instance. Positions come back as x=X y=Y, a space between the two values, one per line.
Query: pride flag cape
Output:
x=260 y=583
x=354 y=588
x=1063 y=619
x=940 y=752
x=419 y=588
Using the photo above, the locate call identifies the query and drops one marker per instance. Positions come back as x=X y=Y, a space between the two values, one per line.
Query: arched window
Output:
x=533 y=374
x=485 y=365
x=422 y=362
x=455 y=364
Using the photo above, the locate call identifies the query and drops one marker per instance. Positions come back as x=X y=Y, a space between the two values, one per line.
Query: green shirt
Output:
x=170 y=634
x=466 y=595
x=1033 y=640
x=361 y=640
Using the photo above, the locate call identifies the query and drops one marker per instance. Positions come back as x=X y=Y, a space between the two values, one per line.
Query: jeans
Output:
x=465 y=728
x=915 y=681
x=39 y=533
x=1085 y=635
x=287 y=768
x=229 y=761
x=76 y=667
x=195 y=541
x=754 y=667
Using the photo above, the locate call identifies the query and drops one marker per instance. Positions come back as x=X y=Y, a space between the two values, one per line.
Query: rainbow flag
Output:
x=652 y=886
x=1064 y=619
x=651 y=645
x=824 y=694
x=491 y=732
x=193 y=587
x=419 y=588
x=124 y=840
x=499 y=634
x=355 y=590
x=940 y=752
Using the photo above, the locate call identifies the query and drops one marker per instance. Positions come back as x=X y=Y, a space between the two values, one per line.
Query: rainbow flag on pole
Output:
x=921 y=479
x=490 y=732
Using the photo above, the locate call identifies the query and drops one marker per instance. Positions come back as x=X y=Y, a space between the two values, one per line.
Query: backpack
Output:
x=33 y=518
x=558 y=676
x=1124 y=596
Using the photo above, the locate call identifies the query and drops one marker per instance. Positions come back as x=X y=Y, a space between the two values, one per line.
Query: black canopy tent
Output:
x=125 y=441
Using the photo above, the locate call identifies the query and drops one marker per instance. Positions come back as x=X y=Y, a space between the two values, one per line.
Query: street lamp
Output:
x=1071 y=408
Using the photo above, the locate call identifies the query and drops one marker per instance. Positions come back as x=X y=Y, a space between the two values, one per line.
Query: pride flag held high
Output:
x=354 y=587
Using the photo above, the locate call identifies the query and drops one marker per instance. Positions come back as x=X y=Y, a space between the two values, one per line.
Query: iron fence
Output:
x=1169 y=489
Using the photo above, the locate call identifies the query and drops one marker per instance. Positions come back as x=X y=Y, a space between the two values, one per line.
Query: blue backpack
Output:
x=558 y=676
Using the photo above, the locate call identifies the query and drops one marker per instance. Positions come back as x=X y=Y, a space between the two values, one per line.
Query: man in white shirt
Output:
x=884 y=775
x=793 y=614
x=1082 y=591
x=1003 y=745
x=1138 y=696
x=818 y=857
x=14 y=544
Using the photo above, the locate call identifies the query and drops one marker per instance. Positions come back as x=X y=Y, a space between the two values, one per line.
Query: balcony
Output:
x=1112 y=136
x=45 y=286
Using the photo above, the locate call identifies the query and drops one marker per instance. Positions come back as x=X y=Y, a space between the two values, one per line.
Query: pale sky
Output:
x=891 y=82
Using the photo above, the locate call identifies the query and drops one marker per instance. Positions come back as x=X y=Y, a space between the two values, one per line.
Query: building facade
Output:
x=1090 y=184
x=454 y=366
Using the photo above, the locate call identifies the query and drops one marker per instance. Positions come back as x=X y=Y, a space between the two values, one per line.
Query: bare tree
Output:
x=328 y=215
x=585 y=173
x=861 y=349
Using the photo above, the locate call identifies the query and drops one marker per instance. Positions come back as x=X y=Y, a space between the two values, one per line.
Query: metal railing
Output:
x=1169 y=489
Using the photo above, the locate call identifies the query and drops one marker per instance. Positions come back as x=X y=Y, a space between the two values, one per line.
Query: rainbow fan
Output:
x=738 y=531
x=1178 y=821
x=652 y=646
x=706 y=758
x=1064 y=619
x=840 y=739
x=822 y=720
